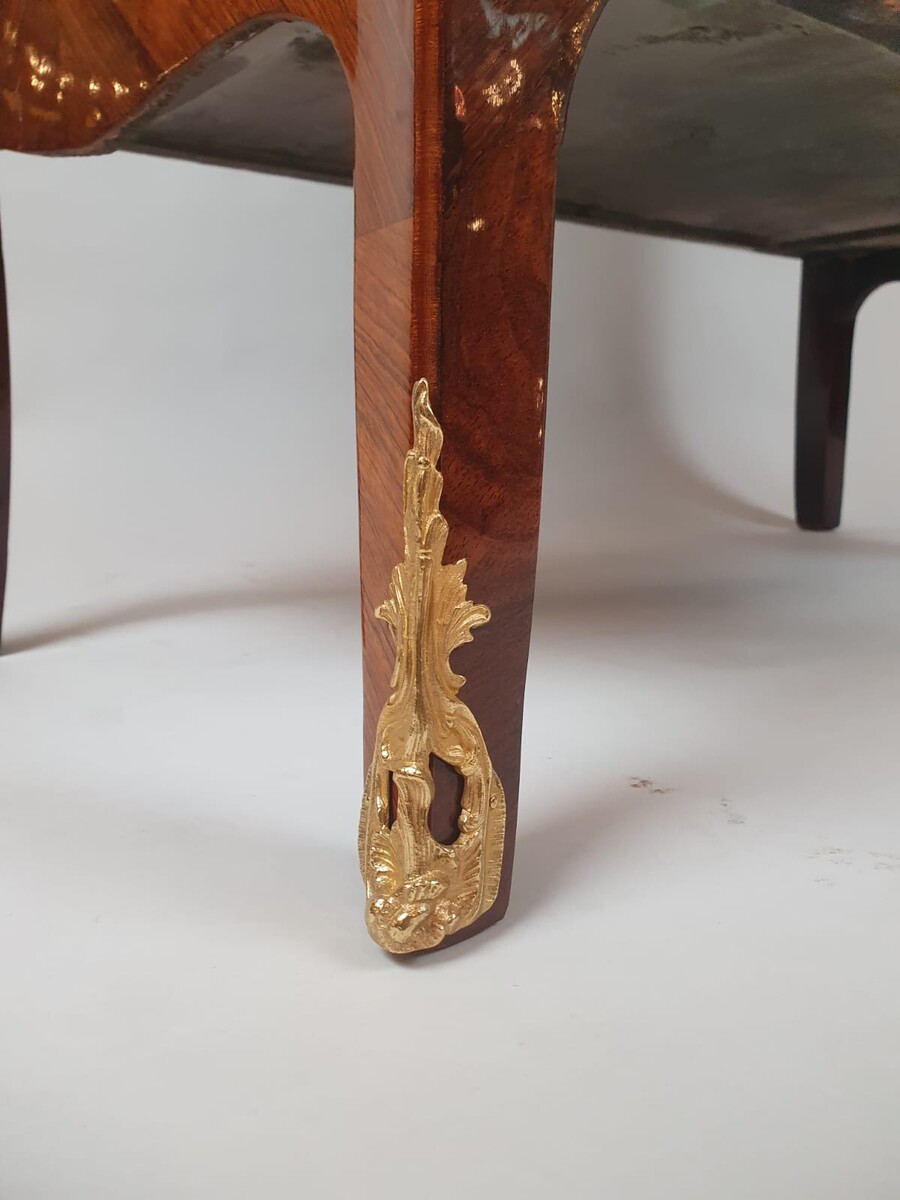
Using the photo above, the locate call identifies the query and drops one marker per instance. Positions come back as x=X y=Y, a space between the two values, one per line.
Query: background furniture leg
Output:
x=833 y=290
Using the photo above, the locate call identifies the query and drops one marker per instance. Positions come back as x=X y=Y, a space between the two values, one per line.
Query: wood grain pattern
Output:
x=71 y=71
x=460 y=294
x=459 y=112
x=758 y=150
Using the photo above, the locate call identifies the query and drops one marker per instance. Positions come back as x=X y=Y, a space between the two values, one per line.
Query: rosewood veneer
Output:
x=771 y=124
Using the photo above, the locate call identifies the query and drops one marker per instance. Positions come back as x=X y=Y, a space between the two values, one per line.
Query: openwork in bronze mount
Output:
x=418 y=890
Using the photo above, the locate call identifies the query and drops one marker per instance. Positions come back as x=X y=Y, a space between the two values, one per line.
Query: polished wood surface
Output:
x=458 y=115
x=712 y=118
x=71 y=71
x=767 y=123
x=460 y=295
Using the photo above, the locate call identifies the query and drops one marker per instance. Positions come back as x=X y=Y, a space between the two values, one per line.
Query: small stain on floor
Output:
x=884 y=862
x=836 y=856
x=734 y=818
x=648 y=785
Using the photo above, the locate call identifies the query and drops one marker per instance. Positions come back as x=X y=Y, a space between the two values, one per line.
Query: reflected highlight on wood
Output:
x=713 y=120
x=458 y=114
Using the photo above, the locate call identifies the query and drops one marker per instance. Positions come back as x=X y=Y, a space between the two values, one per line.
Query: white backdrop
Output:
x=695 y=992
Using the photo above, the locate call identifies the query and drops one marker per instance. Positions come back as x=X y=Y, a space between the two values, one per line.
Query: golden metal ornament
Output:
x=418 y=890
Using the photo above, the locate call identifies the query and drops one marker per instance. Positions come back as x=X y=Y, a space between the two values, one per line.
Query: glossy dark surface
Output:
x=745 y=121
x=834 y=289
x=758 y=122
x=875 y=20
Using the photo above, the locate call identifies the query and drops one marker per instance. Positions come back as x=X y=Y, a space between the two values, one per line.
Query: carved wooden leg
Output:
x=5 y=438
x=458 y=120
x=833 y=291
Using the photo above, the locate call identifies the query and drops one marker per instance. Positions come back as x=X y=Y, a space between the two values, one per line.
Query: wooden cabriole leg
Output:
x=5 y=439
x=459 y=116
x=833 y=290
x=459 y=108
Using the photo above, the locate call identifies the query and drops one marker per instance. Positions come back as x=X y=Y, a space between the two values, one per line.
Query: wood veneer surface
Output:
x=748 y=121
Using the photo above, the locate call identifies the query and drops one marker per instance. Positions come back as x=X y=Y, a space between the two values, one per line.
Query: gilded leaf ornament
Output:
x=418 y=890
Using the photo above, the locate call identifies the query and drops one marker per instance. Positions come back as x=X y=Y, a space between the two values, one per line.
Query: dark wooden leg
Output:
x=827 y=320
x=833 y=290
x=457 y=136
x=5 y=438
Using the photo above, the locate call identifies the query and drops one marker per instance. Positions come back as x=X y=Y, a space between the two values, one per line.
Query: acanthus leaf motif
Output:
x=420 y=891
